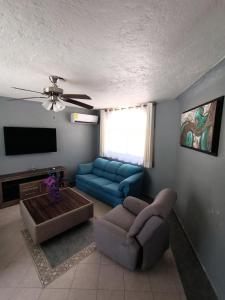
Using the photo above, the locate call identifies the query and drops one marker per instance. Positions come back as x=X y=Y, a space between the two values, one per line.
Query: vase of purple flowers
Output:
x=53 y=183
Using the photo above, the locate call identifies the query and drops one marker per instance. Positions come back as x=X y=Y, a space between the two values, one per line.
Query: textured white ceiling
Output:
x=119 y=52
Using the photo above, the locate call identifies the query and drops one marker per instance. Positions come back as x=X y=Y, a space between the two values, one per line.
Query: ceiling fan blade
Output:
x=30 y=98
x=16 y=88
x=77 y=103
x=77 y=96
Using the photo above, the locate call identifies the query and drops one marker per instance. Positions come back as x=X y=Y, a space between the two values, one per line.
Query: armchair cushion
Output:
x=121 y=217
x=134 y=204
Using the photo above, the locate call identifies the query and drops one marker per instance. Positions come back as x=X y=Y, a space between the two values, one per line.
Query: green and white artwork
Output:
x=200 y=127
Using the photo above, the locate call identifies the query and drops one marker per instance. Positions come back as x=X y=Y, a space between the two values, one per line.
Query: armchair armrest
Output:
x=103 y=229
x=130 y=182
x=134 y=204
x=115 y=243
x=154 y=239
x=153 y=225
x=84 y=168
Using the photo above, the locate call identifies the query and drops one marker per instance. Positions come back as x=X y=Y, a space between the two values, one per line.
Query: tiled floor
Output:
x=95 y=278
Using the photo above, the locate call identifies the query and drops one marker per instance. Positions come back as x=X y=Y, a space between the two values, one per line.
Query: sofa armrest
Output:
x=134 y=204
x=128 y=184
x=84 y=168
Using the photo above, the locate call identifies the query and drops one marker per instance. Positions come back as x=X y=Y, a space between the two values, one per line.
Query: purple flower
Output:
x=50 y=181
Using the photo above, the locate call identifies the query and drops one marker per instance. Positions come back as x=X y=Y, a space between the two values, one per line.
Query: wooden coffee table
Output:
x=45 y=219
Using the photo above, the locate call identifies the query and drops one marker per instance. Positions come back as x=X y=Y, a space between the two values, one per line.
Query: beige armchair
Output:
x=136 y=233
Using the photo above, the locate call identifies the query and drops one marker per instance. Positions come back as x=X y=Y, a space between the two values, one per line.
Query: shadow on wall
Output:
x=197 y=219
x=147 y=182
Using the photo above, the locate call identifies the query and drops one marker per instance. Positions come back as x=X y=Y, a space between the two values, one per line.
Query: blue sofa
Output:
x=110 y=181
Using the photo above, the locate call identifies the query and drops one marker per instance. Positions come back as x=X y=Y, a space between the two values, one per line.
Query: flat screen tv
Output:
x=26 y=140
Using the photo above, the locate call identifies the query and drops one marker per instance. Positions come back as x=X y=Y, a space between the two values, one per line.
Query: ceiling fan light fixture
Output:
x=47 y=105
x=58 y=106
x=55 y=99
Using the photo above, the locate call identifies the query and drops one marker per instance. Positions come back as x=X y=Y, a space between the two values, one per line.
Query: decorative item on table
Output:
x=200 y=127
x=53 y=183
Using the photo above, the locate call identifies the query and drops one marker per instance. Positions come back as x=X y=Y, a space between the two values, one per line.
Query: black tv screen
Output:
x=26 y=140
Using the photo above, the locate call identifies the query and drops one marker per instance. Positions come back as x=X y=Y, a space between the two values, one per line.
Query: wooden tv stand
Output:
x=23 y=185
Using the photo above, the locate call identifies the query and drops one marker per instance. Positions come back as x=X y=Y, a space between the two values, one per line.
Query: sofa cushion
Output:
x=113 y=189
x=101 y=163
x=100 y=182
x=86 y=177
x=127 y=170
x=113 y=166
x=119 y=178
x=107 y=169
x=120 y=217
x=94 y=180
x=99 y=193
x=104 y=174
x=98 y=172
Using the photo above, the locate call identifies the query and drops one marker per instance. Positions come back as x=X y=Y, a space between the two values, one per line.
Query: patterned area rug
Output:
x=57 y=255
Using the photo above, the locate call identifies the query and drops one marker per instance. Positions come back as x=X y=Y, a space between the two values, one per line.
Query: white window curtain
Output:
x=127 y=134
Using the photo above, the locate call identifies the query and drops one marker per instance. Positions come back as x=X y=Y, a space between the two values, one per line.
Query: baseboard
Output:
x=195 y=252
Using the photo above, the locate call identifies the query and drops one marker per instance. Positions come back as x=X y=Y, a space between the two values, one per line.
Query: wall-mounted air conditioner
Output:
x=83 y=118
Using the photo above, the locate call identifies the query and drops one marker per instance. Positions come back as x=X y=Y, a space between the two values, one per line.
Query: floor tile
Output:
x=23 y=254
x=111 y=277
x=163 y=279
x=31 y=278
x=131 y=295
x=54 y=294
x=166 y=296
x=86 y=276
x=136 y=281
x=94 y=258
x=76 y=294
x=27 y=293
x=6 y=293
x=13 y=274
x=64 y=281
x=96 y=278
x=110 y=295
x=105 y=260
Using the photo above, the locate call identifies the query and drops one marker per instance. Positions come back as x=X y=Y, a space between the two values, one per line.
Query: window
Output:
x=126 y=134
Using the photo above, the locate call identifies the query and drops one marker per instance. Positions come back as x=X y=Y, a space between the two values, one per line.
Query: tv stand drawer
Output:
x=26 y=184
x=32 y=189
x=29 y=194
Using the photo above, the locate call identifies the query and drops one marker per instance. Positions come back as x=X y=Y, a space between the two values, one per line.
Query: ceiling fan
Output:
x=55 y=100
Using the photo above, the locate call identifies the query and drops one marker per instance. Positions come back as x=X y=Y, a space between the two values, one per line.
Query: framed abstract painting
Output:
x=200 y=127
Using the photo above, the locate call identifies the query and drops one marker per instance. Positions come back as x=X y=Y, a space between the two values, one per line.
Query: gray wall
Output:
x=76 y=142
x=165 y=148
x=198 y=178
x=201 y=186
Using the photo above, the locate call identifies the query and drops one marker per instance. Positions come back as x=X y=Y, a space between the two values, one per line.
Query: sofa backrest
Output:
x=114 y=170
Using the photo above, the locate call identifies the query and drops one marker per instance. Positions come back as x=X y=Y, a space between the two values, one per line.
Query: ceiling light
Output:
x=47 y=104
x=53 y=104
